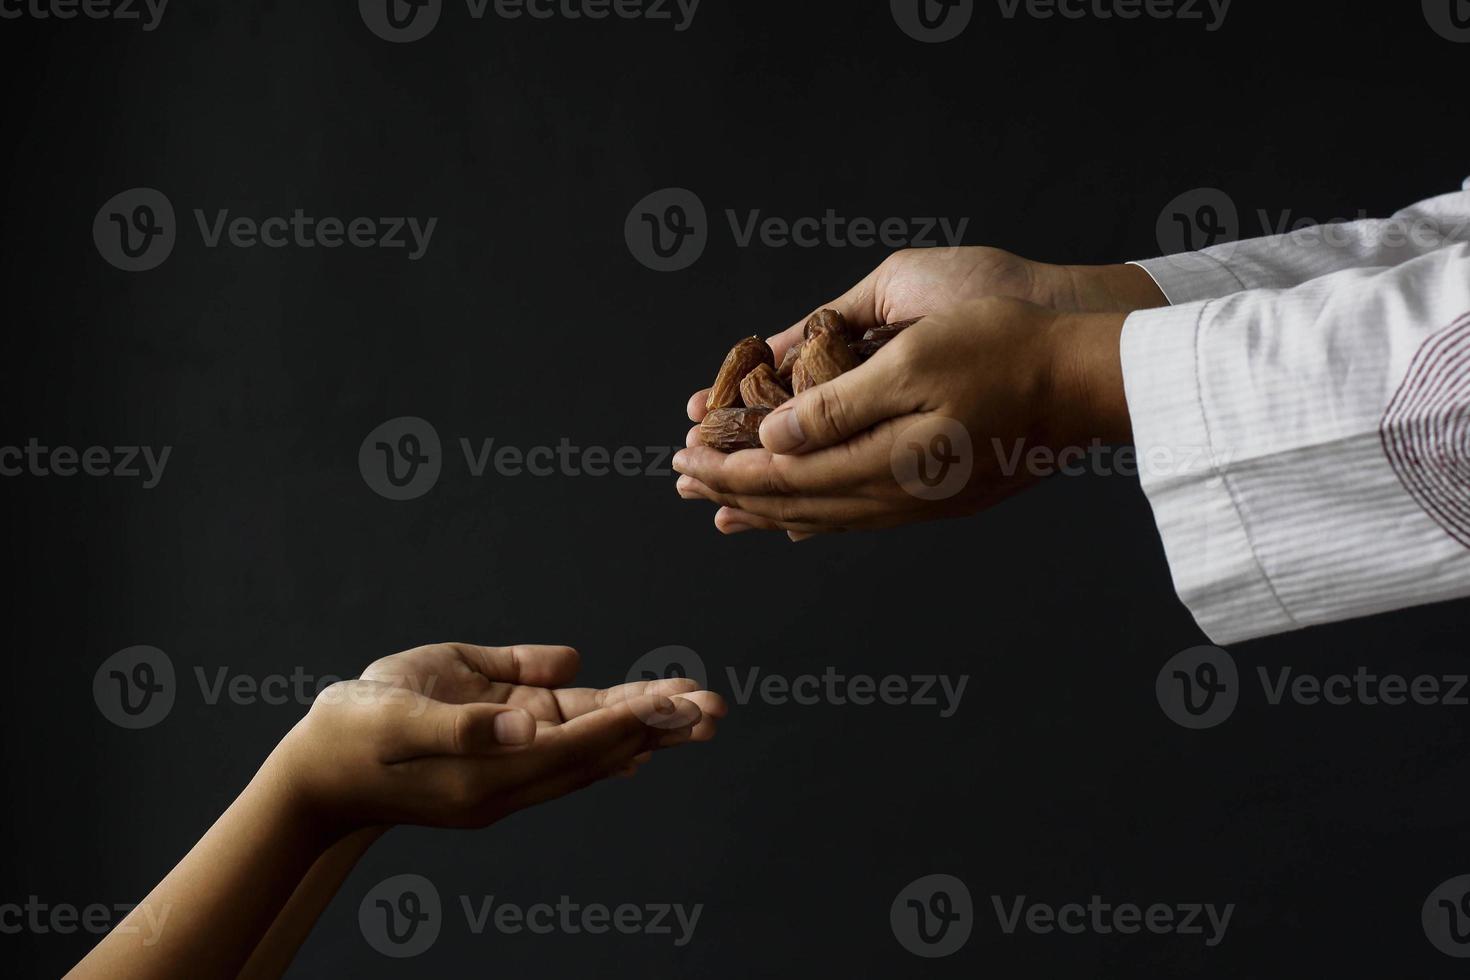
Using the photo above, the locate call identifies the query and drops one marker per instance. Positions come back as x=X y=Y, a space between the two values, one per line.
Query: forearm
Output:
x=286 y=935
x=208 y=915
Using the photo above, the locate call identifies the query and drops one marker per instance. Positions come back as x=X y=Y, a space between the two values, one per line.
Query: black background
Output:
x=529 y=321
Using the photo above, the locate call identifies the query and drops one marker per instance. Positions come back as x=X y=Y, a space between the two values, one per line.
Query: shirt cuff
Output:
x=1191 y=277
x=1216 y=571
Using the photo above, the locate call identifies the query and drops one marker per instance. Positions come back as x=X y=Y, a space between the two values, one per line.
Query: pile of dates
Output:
x=750 y=385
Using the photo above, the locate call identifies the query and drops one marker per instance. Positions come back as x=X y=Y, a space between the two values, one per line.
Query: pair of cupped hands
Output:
x=1018 y=353
x=456 y=735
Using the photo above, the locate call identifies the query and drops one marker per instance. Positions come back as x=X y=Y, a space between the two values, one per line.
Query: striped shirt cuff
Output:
x=1191 y=277
x=1215 y=569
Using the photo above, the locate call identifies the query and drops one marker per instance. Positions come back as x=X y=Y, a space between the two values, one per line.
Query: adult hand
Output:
x=919 y=282
x=886 y=443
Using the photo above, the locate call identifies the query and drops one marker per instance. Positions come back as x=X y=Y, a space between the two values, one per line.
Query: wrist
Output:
x=1107 y=289
x=1086 y=399
x=291 y=773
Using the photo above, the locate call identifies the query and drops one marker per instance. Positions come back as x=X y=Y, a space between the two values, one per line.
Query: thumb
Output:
x=430 y=727
x=833 y=412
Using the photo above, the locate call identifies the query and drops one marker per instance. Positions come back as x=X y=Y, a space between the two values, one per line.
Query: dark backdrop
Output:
x=263 y=550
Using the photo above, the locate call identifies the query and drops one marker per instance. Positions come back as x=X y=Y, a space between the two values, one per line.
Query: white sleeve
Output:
x=1307 y=452
x=1284 y=261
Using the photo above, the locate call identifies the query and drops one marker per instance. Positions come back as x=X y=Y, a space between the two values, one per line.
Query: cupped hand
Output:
x=455 y=735
x=936 y=424
x=914 y=283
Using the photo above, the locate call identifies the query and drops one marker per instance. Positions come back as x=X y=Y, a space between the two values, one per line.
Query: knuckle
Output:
x=829 y=412
x=791 y=511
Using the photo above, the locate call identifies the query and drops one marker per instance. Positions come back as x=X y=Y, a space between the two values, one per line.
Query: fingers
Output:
x=577 y=701
x=434 y=728
x=532 y=664
x=602 y=742
x=859 y=305
x=836 y=411
x=729 y=520
x=698 y=406
x=861 y=466
x=810 y=514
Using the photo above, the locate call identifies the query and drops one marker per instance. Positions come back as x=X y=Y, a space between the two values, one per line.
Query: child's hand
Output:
x=455 y=735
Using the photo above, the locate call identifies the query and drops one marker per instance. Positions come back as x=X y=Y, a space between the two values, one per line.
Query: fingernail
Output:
x=514 y=728
x=680 y=458
x=689 y=710
x=781 y=431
